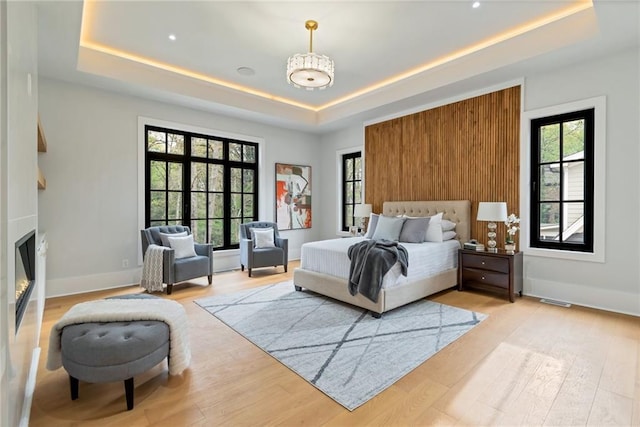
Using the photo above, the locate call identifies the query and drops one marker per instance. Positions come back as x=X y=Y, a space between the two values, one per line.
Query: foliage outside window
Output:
x=205 y=182
x=351 y=187
x=562 y=172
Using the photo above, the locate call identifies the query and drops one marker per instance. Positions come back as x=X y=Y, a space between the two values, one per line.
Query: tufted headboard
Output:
x=458 y=211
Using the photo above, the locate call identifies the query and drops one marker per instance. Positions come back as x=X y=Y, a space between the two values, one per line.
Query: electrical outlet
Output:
x=125 y=263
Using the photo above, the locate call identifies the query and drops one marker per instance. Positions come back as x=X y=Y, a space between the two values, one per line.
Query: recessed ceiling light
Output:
x=172 y=37
x=475 y=5
x=245 y=71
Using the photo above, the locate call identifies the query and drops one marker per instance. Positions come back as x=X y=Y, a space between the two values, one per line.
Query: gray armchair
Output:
x=252 y=257
x=178 y=270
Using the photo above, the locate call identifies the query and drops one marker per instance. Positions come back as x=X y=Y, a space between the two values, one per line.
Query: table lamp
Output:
x=492 y=212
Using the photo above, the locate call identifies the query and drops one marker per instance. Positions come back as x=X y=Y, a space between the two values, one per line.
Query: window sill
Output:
x=569 y=255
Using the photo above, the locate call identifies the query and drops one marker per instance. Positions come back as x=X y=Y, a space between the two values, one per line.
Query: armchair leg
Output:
x=73 y=383
x=241 y=267
x=210 y=277
x=128 y=392
x=285 y=268
x=169 y=289
x=249 y=272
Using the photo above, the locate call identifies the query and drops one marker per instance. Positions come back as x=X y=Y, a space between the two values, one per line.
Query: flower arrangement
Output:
x=513 y=225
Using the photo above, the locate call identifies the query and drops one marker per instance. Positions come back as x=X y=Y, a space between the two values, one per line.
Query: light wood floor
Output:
x=527 y=364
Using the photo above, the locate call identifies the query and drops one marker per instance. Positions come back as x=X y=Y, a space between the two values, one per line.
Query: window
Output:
x=351 y=187
x=562 y=182
x=205 y=182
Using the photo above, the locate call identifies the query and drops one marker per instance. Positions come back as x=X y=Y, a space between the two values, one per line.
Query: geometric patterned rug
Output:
x=342 y=350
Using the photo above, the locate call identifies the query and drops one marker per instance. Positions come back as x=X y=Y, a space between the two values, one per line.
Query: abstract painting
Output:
x=293 y=196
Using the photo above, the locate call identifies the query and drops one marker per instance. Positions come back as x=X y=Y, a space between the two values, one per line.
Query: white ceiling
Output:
x=389 y=55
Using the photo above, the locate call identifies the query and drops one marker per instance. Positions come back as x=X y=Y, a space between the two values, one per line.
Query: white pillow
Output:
x=448 y=235
x=434 y=229
x=388 y=228
x=183 y=246
x=448 y=225
x=371 y=226
x=263 y=238
x=164 y=237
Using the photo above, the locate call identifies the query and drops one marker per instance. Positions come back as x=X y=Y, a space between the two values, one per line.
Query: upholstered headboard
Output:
x=458 y=211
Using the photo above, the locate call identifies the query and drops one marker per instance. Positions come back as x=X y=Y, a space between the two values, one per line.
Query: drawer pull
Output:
x=482 y=262
x=482 y=277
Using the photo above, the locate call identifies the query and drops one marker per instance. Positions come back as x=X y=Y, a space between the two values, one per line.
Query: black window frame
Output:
x=588 y=115
x=186 y=160
x=345 y=183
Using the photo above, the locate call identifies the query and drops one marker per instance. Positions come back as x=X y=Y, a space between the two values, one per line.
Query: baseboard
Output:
x=586 y=296
x=131 y=277
x=93 y=282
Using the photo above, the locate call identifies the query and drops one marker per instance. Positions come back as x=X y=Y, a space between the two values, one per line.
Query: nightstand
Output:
x=491 y=271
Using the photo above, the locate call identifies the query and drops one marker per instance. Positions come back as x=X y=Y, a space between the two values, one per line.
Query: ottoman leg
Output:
x=73 y=382
x=128 y=392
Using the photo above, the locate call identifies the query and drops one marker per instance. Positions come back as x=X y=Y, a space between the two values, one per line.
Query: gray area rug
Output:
x=340 y=349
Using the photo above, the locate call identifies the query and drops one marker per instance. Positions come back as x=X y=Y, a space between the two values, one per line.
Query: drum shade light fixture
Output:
x=310 y=70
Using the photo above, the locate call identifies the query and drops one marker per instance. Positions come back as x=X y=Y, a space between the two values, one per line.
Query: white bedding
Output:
x=425 y=259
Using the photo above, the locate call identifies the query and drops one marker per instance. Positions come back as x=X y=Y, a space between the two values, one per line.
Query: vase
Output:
x=510 y=247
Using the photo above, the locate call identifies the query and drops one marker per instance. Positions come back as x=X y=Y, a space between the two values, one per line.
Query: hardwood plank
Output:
x=622 y=358
x=610 y=409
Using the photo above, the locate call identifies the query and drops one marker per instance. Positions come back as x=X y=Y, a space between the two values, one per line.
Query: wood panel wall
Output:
x=468 y=150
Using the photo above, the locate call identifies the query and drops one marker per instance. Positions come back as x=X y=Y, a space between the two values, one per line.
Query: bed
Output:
x=392 y=295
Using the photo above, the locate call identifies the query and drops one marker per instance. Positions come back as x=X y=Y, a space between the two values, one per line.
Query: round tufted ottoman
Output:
x=113 y=351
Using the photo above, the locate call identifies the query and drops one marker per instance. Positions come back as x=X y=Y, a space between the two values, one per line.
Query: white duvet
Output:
x=425 y=259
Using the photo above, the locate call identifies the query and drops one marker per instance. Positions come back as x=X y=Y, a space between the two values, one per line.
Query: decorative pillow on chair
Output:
x=434 y=230
x=388 y=228
x=263 y=238
x=183 y=246
x=164 y=237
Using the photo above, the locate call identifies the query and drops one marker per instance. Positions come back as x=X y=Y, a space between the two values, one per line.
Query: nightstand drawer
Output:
x=486 y=262
x=485 y=277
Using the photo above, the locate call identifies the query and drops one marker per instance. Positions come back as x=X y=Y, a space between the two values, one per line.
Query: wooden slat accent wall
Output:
x=468 y=150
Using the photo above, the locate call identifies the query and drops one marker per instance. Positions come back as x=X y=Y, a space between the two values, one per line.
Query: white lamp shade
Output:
x=364 y=210
x=492 y=211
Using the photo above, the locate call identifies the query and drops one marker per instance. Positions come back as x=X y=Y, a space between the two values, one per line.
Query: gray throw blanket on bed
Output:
x=370 y=261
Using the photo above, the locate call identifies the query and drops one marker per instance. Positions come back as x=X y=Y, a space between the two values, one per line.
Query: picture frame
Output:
x=293 y=196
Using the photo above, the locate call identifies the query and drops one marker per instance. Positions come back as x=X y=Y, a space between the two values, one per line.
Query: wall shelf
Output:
x=42 y=182
x=42 y=140
x=42 y=148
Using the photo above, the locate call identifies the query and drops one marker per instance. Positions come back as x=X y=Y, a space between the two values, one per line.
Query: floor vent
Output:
x=555 y=302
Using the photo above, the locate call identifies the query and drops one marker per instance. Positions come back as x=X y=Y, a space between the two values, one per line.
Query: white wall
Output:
x=348 y=138
x=89 y=209
x=612 y=285
x=19 y=203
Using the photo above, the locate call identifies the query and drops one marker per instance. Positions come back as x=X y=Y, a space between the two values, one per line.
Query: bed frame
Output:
x=458 y=211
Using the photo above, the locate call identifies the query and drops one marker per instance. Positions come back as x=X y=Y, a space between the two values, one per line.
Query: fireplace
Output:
x=25 y=273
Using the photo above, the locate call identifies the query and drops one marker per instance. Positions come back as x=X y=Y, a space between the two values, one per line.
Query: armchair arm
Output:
x=283 y=243
x=246 y=252
x=168 y=259
x=204 y=249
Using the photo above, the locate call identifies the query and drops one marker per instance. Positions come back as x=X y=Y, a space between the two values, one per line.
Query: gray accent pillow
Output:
x=371 y=227
x=388 y=228
x=414 y=230
x=164 y=237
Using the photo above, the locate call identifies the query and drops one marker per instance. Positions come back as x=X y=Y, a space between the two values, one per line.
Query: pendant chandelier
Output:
x=310 y=70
